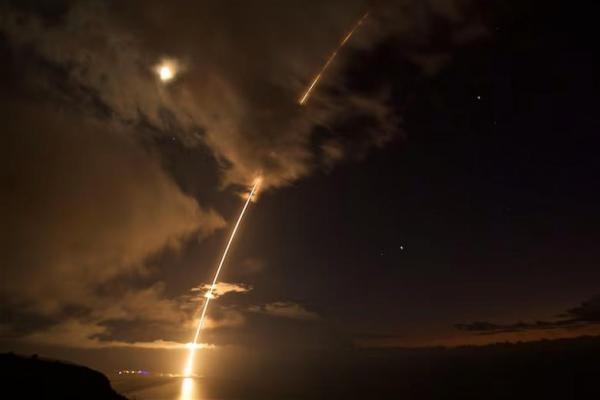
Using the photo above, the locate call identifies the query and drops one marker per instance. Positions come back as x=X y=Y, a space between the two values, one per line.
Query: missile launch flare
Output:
x=209 y=295
x=306 y=95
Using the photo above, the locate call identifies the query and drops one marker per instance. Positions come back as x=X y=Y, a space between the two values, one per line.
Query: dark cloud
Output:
x=586 y=314
x=286 y=309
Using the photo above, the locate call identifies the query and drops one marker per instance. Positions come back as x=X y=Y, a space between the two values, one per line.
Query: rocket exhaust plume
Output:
x=209 y=295
x=306 y=94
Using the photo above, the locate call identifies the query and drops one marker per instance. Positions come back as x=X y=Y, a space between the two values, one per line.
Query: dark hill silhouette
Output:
x=36 y=378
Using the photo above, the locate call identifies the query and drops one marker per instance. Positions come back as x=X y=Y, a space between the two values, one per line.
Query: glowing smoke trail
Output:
x=190 y=362
x=306 y=95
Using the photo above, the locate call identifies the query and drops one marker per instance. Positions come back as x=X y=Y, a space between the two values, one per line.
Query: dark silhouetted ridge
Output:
x=35 y=378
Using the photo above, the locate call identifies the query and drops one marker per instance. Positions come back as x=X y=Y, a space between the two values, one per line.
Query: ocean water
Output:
x=161 y=388
x=263 y=387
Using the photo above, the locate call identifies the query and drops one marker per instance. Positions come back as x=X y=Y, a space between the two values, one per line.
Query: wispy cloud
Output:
x=222 y=288
x=79 y=334
x=584 y=315
x=282 y=309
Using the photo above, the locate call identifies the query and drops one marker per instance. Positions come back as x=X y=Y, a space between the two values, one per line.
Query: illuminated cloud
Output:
x=147 y=304
x=77 y=334
x=102 y=206
x=222 y=288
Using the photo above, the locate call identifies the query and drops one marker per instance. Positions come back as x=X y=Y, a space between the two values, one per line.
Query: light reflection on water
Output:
x=189 y=389
x=151 y=388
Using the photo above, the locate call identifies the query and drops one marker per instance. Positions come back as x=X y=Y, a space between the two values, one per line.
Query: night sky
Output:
x=440 y=188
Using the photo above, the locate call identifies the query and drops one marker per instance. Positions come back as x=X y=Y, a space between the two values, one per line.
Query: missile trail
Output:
x=190 y=361
x=306 y=95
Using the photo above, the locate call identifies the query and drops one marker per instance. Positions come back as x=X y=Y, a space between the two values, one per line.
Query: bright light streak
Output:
x=209 y=295
x=306 y=95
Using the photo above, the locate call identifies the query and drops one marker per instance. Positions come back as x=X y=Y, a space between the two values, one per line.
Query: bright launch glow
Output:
x=209 y=295
x=306 y=95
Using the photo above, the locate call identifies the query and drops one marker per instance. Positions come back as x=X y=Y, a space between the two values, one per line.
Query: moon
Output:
x=167 y=69
x=166 y=73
